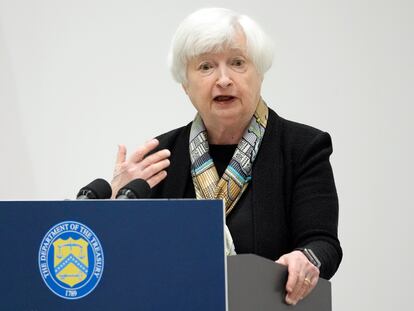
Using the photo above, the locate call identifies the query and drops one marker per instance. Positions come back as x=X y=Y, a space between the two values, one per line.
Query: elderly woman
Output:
x=273 y=175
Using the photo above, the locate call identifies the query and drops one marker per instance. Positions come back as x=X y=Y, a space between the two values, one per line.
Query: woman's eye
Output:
x=205 y=66
x=238 y=62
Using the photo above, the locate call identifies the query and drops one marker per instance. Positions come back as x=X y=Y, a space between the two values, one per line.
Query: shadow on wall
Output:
x=17 y=180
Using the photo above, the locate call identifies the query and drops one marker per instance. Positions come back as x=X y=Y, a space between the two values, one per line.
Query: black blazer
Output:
x=292 y=196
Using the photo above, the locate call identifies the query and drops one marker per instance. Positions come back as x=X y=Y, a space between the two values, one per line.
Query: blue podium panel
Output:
x=112 y=255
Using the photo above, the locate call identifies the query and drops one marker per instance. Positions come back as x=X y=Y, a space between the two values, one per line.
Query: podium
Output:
x=132 y=255
x=256 y=283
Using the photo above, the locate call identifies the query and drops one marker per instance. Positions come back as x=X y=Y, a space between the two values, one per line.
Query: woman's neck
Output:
x=224 y=136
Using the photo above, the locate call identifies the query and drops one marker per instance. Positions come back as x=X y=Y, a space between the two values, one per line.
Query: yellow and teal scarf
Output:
x=237 y=175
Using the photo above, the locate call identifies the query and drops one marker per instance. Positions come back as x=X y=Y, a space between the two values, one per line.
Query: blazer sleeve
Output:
x=314 y=209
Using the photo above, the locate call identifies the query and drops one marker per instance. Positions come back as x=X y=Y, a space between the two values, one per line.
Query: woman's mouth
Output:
x=224 y=99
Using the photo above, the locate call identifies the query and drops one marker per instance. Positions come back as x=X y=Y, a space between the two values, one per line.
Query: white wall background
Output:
x=78 y=77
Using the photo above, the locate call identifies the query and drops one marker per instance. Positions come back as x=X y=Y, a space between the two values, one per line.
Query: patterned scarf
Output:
x=237 y=175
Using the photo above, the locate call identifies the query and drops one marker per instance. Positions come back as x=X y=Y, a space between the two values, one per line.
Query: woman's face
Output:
x=224 y=87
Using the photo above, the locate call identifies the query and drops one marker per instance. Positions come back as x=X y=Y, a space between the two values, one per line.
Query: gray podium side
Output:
x=256 y=283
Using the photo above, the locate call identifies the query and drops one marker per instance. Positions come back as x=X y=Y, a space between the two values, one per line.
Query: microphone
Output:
x=97 y=189
x=136 y=189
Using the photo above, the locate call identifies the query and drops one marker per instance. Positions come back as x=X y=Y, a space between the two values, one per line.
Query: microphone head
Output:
x=97 y=189
x=136 y=189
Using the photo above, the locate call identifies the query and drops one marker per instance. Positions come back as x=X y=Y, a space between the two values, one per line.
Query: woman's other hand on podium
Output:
x=302 y=276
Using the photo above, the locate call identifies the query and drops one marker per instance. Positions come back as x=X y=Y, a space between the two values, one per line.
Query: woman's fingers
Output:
x=121 y=155
x=301 y=288
x=155 y=168
x=309 y=285
x=143 y=150
x=310 y=280
x=294 y=284
x=155 y=158
x=156 y=179
x=293 y=281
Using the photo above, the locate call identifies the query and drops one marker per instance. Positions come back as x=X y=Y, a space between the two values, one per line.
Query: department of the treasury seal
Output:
x=71 y=260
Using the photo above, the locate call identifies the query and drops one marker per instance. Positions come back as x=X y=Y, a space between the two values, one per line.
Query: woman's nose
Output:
x=224 y=80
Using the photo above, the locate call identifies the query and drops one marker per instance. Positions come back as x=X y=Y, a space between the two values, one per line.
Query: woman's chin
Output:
x=229 y=119
x=232 y=106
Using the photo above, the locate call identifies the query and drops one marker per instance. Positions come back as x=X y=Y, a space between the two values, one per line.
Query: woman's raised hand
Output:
x=138 y=165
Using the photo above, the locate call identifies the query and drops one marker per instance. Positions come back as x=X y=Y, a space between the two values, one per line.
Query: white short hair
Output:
x=212 y=29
